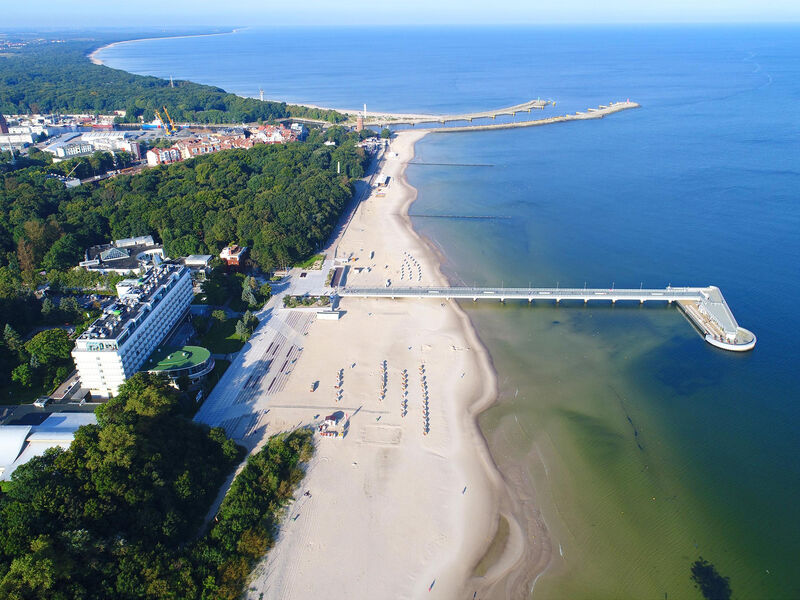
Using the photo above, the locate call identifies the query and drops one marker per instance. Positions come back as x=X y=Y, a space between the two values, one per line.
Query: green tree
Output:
x=116 y=514
x=12 y=339
x=50 y=346
x=69 y=308
x=243 y=331
x=386 y=133
x=147 y=395
x=248 y=297
x=63 y=254
x=48 y=308
x=250 y=319
x=219 y=315
x=23 y=374
x=265 y=292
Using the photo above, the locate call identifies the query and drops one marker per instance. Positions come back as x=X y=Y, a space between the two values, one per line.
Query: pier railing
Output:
x=669 y=294
x=705 y=306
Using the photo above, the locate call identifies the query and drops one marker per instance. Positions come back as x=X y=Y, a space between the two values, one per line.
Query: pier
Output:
x=592 y=113
x=382 y=120
x=705 y=307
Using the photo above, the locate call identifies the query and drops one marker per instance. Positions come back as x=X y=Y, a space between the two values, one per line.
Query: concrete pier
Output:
x=704 y=306
x=383 y=120
x=598 y=113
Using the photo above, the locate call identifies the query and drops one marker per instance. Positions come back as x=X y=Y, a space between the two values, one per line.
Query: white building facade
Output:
x=117 y=344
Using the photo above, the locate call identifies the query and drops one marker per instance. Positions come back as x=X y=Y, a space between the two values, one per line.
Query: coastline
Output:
x=525 y=551
x=511 y=478
x=408 y=513
x=92 y=56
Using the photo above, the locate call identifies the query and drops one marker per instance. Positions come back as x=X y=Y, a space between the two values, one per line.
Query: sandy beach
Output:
x=391 y=510
x=93 y=55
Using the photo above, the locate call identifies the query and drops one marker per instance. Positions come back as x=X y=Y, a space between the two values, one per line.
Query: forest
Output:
x=47 y=77
x=121 y=513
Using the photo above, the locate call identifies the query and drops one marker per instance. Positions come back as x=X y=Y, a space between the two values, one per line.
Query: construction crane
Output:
x=172 y=128
x=77 y=164
x=168 y=125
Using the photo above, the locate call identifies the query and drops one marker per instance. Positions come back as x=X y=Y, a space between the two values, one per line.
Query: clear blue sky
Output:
x=112 y=13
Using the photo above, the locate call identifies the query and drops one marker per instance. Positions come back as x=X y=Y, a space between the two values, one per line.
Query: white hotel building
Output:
x=117 y=344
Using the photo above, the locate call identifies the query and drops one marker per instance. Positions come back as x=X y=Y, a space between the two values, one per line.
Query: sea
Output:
x=643 y=447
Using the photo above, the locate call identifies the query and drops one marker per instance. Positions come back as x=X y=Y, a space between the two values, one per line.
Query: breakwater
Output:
x=592 y=113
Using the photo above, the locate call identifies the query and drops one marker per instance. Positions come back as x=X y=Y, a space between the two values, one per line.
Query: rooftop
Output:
x=233 y=250
x=20 y=443
x=120 y=254
x=173 y=359
x=197 y=260
x=140 y=295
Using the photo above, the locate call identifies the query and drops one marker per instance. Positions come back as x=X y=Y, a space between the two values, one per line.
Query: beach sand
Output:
x=391 y=511
x=93 y=55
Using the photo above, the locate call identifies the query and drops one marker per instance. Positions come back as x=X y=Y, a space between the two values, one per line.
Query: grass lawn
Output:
x=221 y=337
x=314 y=262
x=235 y=303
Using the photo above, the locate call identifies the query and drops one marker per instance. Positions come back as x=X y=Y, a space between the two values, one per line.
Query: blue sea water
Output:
x=643 y=447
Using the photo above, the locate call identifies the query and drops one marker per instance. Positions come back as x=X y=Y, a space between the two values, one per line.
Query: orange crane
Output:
x=169 y=126
x=172 y=127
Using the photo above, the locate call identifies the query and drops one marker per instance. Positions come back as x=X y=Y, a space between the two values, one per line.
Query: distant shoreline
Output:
x=92 y=56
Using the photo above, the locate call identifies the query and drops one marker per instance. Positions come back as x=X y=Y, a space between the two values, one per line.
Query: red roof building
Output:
x=163 y=156
x=233 y=254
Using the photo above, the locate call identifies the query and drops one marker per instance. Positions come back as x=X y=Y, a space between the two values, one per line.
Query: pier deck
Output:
x=704 y=306
x=401 y=119
x=592 y=113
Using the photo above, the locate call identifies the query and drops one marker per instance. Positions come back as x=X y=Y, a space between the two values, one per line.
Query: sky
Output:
x=91 y=14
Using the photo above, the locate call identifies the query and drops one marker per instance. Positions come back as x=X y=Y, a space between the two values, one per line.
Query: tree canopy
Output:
x=282 y=201
x=47 y=77
x=120 y=513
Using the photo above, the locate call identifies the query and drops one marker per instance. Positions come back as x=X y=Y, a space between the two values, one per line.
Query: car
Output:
x=41 y=402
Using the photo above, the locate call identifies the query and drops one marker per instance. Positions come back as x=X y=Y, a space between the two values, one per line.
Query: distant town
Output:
x=74 y=136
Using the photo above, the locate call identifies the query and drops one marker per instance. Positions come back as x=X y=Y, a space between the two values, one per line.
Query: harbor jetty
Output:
x=384 y=119
x=705 y=307
x=592 y=113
